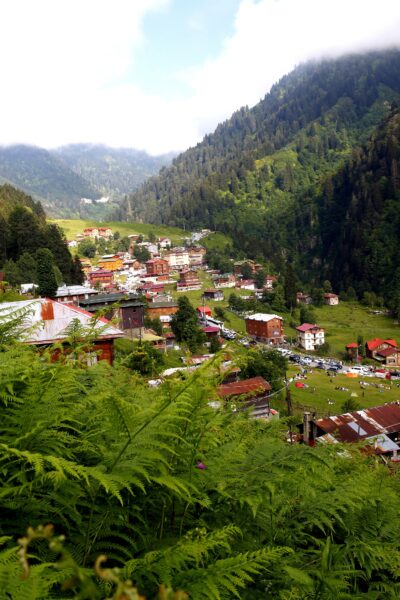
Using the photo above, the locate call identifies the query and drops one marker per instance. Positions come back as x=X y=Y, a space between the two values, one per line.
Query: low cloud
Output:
x=66 y=66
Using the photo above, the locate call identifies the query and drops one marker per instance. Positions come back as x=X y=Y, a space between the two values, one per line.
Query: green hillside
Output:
x=71 y=227
x=276 y=177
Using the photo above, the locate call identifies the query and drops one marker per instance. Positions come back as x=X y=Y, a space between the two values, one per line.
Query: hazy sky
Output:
x=159 y=74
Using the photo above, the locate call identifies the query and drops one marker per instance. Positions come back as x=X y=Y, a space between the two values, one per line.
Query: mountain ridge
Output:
x=60 y=178
x=260 y=176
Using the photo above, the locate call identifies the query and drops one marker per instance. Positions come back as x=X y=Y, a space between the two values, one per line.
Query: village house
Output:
x=310 y=336
x=196 y=256
x=163 y=308
x=378 y=427
x=237 y=266
x=151 y=287
x=91 y=232
x=249 y=394
x=203 y=312
x=303 y=298
x=246 y=284
x=375 y=346
x=150 y=247
x=264 y=327
x=72 y=243
x=211 y=331
x=101 y=277
x=126 y=309
x=105 y=232
x=178 y=259
x=111 y=262
x=164 y=242
x=47 y=322
x=86 y=265
x=269 y=282
x=390 y=357
x=132 y=264
x=98 y=232
x=73 y=294
x=213 y=294
x=170 y=340
x=188 y=281
x=224 y=280
x=157 y=266
x=352 y=351
x=331 y=299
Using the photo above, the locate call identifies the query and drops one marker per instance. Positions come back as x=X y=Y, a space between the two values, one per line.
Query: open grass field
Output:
x=345 y=322
x=322 y=388
x=73 y=226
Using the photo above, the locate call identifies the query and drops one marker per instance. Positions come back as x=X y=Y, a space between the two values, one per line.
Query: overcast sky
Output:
x=159 y=74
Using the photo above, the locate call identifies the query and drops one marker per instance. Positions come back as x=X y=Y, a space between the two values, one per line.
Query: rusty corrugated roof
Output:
x=247 y=386
x=350 y=427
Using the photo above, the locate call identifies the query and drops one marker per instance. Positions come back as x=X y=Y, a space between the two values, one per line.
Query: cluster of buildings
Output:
x=385 y=352
x=376 y=429
x=329 y=298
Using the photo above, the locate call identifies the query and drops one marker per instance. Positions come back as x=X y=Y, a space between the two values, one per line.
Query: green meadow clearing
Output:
x=323 y=397
x=72 y=227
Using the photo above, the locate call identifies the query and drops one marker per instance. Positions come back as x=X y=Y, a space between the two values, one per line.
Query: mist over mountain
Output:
x=60 y=178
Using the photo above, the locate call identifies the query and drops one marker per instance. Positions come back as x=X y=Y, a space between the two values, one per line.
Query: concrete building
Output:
x=264 y=327
x=310 y=336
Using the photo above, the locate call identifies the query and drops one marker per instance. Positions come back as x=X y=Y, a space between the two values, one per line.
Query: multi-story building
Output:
x=310 y=336
x=188 y=281
x=112 y=262
x=178 y=259
x=265 y=327
x=73 y=294
x=157 y=266
x=127 y=309
x=102 y=277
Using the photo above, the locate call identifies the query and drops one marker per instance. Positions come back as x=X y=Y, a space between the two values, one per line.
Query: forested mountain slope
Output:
x=360 y=216
x=260 y=177
x=38 y=172
x=60 y=178
x=24 y=231
x=115 y=171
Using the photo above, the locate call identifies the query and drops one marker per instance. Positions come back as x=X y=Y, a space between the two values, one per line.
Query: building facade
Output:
x=267 y=328
x=310 y=336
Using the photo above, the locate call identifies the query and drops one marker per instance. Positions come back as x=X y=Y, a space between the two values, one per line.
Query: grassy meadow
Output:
x=322 y=396
x=72 y=227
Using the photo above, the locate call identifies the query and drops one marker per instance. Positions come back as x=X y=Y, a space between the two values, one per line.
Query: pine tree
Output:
x=185 y=325
x=46 y=278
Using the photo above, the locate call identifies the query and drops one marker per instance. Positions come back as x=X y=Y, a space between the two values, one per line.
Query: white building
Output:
x=164 y=242
x=178 y=258
x=310 y=336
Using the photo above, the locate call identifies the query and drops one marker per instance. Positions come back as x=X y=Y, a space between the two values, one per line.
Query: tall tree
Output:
x=185 y=325
x=46 y=277
x=290 y=288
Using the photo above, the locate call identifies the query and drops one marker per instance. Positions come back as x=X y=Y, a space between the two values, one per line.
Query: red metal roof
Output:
x=211 y=329
x=247 y=386
x=376 y=342
x=204 y=309
x=352 y=345
x=391 y=343
x=351 y=427
x=387 y=352
x=307 y=327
